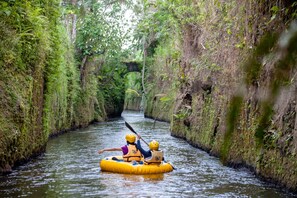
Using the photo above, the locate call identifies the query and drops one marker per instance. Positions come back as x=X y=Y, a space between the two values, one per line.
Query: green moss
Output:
x=33 y=49
x=253 y=67
x=208 y=122
x=264 y=123
x=232 y=118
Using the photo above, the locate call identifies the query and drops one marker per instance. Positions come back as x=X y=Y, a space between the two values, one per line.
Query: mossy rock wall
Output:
x=41 y=89
x=163 y=81
x=25 y=53
x=226 y=101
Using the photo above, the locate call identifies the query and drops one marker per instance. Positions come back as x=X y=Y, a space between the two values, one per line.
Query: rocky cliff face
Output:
x=42 y=92
x=236 y=88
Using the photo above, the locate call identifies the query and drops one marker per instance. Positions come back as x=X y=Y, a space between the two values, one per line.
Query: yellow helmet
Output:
x=154 y=145
x=130 y=138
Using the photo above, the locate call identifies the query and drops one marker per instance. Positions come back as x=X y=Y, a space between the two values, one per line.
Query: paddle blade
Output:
x=129 y=127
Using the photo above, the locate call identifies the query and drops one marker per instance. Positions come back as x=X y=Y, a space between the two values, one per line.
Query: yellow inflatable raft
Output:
x=116 y=164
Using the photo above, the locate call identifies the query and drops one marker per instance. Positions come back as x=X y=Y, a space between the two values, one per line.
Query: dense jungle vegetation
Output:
x=222 y=72
x=62 y=67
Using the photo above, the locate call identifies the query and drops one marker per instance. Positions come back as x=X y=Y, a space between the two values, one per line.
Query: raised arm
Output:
x=143 y=152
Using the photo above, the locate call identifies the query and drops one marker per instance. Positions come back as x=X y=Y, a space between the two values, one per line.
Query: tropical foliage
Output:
x=60 y=68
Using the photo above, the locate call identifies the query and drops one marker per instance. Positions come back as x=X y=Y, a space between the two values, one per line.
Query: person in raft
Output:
x=130 y=151
x=153 y=155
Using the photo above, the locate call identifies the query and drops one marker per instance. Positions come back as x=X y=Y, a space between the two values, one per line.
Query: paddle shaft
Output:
x=131 y=129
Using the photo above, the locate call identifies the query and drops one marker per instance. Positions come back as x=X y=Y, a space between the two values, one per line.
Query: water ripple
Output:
x=70 y=168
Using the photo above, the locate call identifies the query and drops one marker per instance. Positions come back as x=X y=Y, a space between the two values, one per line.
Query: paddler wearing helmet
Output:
x=153 y=155
x=130 y=150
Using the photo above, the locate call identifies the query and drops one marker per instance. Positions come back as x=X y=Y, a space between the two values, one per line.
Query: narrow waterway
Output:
x=70 y=168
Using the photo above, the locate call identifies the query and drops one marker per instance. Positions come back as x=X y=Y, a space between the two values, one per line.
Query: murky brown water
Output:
x=70 y=168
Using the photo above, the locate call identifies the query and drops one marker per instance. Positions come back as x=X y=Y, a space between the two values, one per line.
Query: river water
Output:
x=70 y=168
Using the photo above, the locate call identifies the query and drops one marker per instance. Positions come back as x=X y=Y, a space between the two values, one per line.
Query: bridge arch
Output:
x=133 y=66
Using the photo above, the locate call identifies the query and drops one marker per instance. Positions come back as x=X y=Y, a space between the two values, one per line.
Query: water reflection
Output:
x=70 y=168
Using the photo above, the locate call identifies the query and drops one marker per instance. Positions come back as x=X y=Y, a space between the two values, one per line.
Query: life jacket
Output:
x=133 y=154
x=156 y=158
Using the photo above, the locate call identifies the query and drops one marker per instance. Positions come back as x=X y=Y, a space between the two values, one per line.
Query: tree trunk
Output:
x=73 y=32
x=143 y=68
x=74 y=17
x=82 y=71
